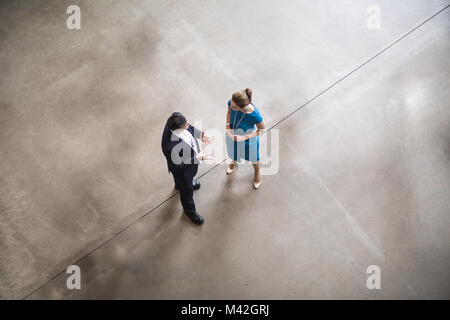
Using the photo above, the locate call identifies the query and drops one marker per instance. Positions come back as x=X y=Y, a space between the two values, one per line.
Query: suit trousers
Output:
x=186 y=197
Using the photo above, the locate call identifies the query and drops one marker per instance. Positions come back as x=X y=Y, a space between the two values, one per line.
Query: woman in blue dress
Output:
x=244 y=125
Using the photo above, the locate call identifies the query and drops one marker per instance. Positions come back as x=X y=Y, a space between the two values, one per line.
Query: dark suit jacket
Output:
x=181 y=159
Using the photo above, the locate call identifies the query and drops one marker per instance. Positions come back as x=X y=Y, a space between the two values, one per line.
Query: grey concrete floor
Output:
x=364 y=174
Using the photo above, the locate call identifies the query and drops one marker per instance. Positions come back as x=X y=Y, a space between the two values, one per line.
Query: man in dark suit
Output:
x=180 y=147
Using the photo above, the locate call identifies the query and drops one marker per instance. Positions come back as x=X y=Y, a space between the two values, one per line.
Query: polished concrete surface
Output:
x=364 y=173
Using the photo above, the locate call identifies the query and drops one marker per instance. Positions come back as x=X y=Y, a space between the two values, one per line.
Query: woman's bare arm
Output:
x=229 y=133
x=261 y=128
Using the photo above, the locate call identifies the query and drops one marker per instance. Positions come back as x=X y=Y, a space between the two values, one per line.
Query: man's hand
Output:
x=205 y=139
x=201 y=156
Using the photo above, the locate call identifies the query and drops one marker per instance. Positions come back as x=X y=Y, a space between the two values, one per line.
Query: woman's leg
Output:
x=232 y=153
x=257 y=167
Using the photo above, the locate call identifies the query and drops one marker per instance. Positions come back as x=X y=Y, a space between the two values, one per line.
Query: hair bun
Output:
x=249 y=93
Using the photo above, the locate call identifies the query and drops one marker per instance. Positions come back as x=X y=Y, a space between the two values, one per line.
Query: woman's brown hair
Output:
x=242 y=98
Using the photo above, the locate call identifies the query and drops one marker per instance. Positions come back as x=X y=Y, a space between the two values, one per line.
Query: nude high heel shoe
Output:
x=256 y=185
x=230 y=171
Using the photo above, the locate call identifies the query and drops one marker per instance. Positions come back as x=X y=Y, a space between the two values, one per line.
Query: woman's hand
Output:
x=230 y=134
x=239 y=138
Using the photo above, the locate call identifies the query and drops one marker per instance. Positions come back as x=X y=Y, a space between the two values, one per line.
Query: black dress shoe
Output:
x=196 y=218
x=196 y=185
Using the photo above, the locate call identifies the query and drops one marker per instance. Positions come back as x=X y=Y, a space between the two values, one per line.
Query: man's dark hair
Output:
x=176 y=121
